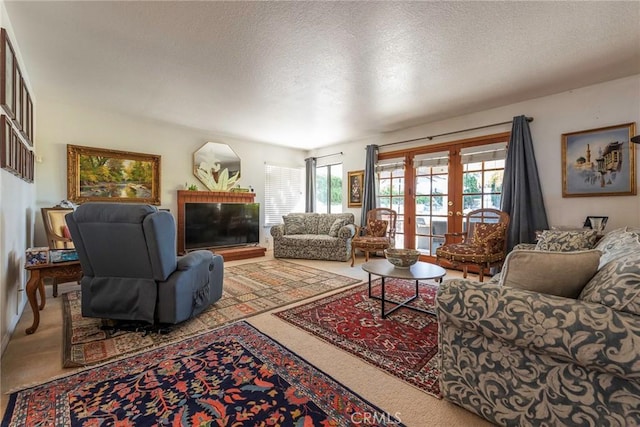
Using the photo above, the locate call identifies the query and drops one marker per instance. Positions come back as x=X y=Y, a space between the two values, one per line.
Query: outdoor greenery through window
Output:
x=329 y=189
x=482 y=185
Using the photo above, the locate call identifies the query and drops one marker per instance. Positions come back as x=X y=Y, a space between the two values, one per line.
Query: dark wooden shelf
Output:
x=245 y=252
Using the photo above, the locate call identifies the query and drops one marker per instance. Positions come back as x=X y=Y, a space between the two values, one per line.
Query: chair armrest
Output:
x=194 y=259
x=450 y=238
x=360 y=230
x=277 y=230
x=591 y=335
x=347 y=231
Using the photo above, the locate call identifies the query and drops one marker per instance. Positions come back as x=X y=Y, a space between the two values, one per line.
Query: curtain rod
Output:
x=326 y=155
x=529 y=119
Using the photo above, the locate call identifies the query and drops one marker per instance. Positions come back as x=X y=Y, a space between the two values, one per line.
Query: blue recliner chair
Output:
x=130 y=269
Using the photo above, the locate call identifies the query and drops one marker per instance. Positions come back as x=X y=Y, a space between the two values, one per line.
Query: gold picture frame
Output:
x=99 y=175
x=599 y=162
x=355 y=180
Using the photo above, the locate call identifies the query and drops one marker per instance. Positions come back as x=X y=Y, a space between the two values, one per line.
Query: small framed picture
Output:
x=7 y=75
x=355 y=181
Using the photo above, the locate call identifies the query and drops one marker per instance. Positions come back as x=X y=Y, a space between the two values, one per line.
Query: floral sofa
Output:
x=521 y=357
x=314 y=236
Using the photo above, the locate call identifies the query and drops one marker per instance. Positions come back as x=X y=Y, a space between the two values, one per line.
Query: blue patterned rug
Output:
x=232 y=376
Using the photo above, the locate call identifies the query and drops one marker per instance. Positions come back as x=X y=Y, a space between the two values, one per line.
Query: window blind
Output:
x=484 y=153
x=440 y=158
x=283 y=192
x=389 y=165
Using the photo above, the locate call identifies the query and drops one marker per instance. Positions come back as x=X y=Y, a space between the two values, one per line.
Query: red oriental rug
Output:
x=233 y=376
x=405 y=343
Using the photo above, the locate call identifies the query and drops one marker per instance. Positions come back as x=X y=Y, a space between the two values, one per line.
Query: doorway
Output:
x=433 y=187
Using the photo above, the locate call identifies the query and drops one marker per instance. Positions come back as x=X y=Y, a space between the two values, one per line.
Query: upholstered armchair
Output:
x=57 y=232
x=483 y=244
x=130 y=269
x=377 y=234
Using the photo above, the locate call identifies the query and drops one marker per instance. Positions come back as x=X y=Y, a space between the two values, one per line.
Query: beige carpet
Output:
x=30 y=359
x=248 y=289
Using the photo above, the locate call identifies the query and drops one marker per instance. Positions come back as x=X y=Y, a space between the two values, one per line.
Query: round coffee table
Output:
x=418 y=271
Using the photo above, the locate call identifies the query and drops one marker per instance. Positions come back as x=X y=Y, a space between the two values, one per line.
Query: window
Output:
x=283 y=192
x=483 y=170
x=329 y=189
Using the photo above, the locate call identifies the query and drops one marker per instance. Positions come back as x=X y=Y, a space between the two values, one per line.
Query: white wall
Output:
x=605 y=104
x=16 y=225
x=62 y=124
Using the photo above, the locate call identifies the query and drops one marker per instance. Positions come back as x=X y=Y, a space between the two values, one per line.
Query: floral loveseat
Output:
x=314 y=236
x=522 y=357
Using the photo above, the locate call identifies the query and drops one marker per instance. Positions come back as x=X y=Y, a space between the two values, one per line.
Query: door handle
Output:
x=450 y=213
x=459 y=213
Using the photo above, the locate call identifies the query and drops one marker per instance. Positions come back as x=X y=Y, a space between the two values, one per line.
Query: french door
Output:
x=432 y=188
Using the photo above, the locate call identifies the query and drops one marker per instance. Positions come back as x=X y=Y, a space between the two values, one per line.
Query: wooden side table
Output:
x=68 y=271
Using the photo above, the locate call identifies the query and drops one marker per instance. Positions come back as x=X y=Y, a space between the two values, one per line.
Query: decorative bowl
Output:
x=402 y=258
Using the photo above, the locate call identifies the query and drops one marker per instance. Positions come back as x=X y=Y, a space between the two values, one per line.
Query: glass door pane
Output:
x=391 y=195
x=482 y=185
x=432 y=205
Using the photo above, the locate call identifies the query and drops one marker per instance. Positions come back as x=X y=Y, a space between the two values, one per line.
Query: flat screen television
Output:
x=216 y=225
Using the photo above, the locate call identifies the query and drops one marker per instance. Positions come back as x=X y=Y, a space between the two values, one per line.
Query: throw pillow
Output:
x=617 y=244
x=336 y=226
x=616 y=285
x=566 y=241
x=562 y=274
x=377 y=228
x=294 y=225
x=489 y=234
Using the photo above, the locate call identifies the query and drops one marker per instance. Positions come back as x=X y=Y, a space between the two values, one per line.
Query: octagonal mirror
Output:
x=217 y=166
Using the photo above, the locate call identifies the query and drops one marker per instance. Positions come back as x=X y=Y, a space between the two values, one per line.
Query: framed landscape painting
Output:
x=599 y=162
x=98 y=175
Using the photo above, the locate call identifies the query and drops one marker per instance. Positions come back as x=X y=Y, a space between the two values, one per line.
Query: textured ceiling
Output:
x=311 y=74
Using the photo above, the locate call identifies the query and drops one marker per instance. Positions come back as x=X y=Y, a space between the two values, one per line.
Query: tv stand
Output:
x=242 y=252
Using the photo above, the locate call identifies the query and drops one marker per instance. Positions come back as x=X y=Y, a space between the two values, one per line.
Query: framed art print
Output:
x=355 y=182
x=599 y=162
x=95 y=174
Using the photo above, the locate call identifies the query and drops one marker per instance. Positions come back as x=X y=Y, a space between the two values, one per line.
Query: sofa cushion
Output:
x=294 y=224
x=618 y=243
x=553 y=273
x=336 y=226
x=565 y=241
x=616 y=285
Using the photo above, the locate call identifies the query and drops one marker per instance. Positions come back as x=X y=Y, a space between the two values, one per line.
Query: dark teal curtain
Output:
x=369 y=184
x=310 y=184
x=521 y=192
